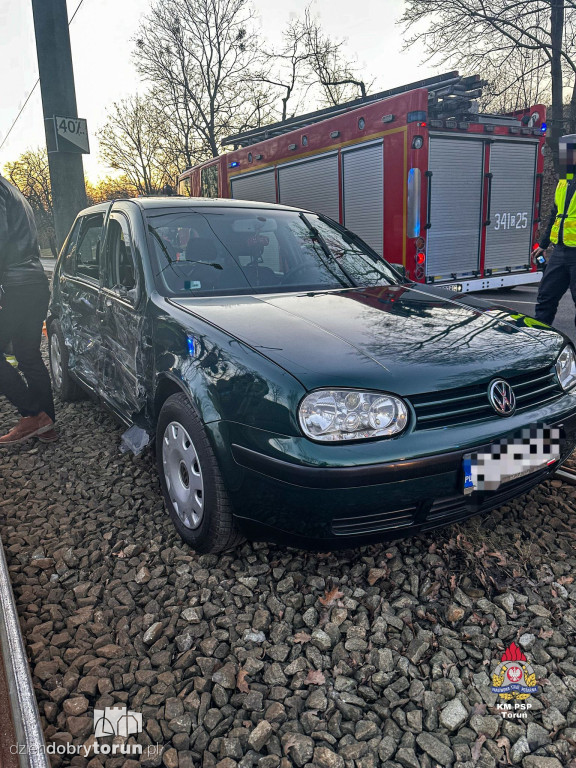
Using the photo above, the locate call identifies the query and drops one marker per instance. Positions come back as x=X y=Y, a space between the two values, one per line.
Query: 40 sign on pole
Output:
x=70 y=134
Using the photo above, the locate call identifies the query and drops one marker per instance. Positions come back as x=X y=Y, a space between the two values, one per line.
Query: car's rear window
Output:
x=222 y=251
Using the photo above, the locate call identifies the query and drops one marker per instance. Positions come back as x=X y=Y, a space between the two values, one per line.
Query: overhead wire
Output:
x=5 y=139
x=75 y=12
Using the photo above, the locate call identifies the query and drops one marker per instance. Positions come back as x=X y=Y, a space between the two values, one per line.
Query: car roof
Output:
x=146 y=203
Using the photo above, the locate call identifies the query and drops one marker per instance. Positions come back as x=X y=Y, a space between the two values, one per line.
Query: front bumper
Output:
x=293 y=491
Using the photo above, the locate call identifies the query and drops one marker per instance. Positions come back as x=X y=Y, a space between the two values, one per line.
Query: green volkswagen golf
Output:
x=295 y=386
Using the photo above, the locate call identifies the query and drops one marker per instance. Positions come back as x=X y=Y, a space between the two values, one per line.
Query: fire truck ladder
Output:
x=449 y=95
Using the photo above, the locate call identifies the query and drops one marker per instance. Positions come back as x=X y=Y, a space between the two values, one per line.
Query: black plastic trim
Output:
x=347 y=477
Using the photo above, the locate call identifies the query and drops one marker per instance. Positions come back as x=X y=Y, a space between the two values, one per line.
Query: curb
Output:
x=25 y=715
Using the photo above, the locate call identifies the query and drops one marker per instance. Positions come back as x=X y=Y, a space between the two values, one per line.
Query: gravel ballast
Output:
x=273 y=657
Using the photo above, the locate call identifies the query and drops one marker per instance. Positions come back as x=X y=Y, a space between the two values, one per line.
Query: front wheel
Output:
x=191 y=480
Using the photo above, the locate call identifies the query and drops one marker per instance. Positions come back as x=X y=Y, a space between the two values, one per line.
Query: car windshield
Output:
x=223 y=251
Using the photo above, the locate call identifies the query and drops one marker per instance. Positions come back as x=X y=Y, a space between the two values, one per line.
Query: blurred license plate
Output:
x=533 y=449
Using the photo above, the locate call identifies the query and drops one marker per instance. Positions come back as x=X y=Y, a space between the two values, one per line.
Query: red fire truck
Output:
x=417 y=172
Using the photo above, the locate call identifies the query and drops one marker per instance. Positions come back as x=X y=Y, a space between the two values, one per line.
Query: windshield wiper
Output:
x=158 y=239
x=315 y=234
x=347 y=234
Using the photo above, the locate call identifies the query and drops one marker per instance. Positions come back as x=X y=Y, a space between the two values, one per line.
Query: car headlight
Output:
x=348 y=414
x=566 y=367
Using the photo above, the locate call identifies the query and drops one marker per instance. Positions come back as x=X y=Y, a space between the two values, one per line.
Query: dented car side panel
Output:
x=81 y=328
x=225 y=378
x=126 y=331
x=125 y=373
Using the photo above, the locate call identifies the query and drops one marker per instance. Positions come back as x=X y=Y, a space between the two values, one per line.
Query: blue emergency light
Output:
x=543 y=127
x=235 y=164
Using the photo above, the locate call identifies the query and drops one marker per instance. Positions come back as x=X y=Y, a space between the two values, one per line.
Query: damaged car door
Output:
x=122 y=322
x=80 y=291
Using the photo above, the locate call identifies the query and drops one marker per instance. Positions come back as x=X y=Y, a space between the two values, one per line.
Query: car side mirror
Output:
x=401 y=269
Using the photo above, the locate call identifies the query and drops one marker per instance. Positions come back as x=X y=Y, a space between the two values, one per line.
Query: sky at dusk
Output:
x=102 y=38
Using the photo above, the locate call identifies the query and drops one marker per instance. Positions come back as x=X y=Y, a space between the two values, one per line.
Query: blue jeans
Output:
x=559 y=275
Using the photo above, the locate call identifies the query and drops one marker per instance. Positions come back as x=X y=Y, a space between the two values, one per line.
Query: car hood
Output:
x=396 y=338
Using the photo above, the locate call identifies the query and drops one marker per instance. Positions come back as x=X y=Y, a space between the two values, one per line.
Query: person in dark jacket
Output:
x=24 y=296
x=560 y=271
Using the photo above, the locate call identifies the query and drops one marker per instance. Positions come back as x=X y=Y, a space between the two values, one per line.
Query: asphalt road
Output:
x=523 y=299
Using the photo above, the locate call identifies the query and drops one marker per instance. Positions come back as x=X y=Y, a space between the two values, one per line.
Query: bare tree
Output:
x=310 y=66
x=538 y=35
x=180 y=135
x=133 y=141
x=286 y=67
x=335 y=73
x=503 y=93
x=199 y=55
x=30 y=173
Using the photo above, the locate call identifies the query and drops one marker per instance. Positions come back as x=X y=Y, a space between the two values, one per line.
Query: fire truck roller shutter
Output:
x=255 y=186
x=363 y=185
x=311 y=184
x=453 y=241
x=509 y=236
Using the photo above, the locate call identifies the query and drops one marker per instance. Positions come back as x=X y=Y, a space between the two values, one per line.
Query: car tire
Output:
x=62 y=382
x=191 y=480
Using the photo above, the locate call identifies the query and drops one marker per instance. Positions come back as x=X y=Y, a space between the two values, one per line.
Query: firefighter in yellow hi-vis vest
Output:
x=560 y=272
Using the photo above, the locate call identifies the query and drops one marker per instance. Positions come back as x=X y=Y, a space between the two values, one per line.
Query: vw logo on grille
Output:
x=502 y=398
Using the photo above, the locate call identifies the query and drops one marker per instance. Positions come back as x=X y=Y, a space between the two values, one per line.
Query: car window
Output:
x=88 y=247
x=121 y=274
x=69 y=256
x=222 y=251
x=209 y=181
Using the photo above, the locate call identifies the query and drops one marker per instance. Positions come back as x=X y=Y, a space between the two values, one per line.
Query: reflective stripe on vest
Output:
x=569 y=231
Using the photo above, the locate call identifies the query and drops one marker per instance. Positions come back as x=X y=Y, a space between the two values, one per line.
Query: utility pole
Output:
x=58 y=99
x=556 y=39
